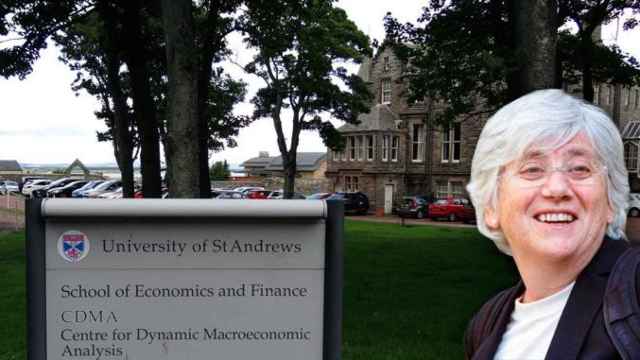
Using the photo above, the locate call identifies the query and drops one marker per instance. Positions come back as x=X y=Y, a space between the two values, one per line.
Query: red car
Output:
x=453 y=209
x=258 y=194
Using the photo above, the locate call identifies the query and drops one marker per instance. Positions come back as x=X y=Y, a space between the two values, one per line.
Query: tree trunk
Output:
x=122 y=137
x=143 y=105
x=586 y=45
x=209 y=46
x=535 y=40
x=182 y=119
x=289 y=167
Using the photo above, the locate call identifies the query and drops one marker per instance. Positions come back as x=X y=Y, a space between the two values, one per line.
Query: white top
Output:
x=186 y=208
x=532 y=326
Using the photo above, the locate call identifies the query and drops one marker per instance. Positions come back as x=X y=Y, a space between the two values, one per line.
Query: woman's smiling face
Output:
x=553 y=205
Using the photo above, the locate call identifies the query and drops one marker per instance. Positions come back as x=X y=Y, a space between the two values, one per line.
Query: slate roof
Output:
x=259 y=161
x=305 y=161
x=9 y=165
x=380 y=117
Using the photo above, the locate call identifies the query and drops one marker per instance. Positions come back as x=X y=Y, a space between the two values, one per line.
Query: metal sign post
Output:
x=184 y=279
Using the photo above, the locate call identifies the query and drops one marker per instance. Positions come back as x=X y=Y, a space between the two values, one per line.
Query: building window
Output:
x=385 y=91
x=351 y=183
x=417 y=142
x=637 y=98
x=631 y=156
x=596 y=94
x=352 y=148
x=627 y=99
x=457 y=188
x=445 y=189
x=385 y=148
x=395 y=148
x=370 y=148
x=385 y=64
x=359 y=147
x=451 y=143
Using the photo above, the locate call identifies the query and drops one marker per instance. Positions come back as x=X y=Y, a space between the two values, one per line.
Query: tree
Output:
x=220 y=171
x=300 y=44
x=137 y=51
x=467 y=52
x=182 y=117
x=534 y=22
x=89 y=47
x=589 y=16
x=117 y=50
x=217 y=93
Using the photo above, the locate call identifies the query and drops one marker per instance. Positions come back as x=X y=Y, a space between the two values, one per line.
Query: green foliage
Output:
x=463 y=51
x=220 y=171
x=301 y=45
x=609 y=63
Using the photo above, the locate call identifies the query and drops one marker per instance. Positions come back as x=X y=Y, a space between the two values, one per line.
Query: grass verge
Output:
x=409 y=291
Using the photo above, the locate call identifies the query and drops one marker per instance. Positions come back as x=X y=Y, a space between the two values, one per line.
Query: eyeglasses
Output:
x=535 y=173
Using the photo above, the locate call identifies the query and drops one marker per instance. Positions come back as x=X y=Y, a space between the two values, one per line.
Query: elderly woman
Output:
x=550 y=188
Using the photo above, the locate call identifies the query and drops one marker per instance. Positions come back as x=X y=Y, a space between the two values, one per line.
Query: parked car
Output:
x=107 y=186
x=245 y=189
x=66 y=190
x=354 y=202
x=28 y=179
x=258 y=194
x=78 y=193
x=415 y=206
x=453 y=209
x=279 y=195
x=9 y=186
x=318 y=196
x=42 y=193
x=634 y=204
x=229 y=195
x=115 y=194
x=35 y=184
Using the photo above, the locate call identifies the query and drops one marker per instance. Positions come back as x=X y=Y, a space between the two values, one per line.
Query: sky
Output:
x=43 y=121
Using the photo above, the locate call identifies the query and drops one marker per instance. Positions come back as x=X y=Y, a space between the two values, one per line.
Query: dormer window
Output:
x=386 y=67
x=385 y=91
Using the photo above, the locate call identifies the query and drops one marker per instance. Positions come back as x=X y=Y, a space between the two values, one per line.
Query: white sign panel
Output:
x=166 y=287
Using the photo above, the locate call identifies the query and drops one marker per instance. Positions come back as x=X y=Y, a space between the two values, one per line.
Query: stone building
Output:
x=10 y=167
x=394 y=151
x=309 y=165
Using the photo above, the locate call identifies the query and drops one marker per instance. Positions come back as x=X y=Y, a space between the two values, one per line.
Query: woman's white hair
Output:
x=553 y=118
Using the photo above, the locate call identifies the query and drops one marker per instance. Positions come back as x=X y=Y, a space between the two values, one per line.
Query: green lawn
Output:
x=409 y=291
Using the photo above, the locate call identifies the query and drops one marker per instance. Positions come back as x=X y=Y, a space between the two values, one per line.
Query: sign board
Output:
x=184 y=279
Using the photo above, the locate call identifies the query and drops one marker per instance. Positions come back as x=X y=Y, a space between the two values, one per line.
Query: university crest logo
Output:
x=73 y=246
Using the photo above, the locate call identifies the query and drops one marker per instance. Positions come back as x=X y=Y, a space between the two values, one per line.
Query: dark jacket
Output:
x=581 y=332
